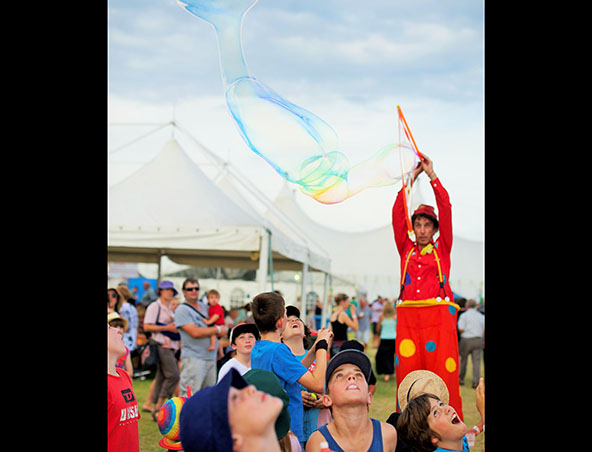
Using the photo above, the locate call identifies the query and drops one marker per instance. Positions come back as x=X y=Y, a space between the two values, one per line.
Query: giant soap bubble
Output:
x=298 y=144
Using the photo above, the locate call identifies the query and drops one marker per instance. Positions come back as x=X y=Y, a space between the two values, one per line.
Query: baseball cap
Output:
x=244 y=328
x=292 y=310
x=204 y=417
x=426 y=210
x=268 y=382
x=349 y=356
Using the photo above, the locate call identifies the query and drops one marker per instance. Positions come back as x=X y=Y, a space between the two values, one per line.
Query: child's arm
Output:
x=480 y=403
x=212 y=319
x=310 y=356
x=315 y=380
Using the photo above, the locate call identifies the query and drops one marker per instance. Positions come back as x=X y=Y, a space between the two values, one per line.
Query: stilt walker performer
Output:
x=426 y=312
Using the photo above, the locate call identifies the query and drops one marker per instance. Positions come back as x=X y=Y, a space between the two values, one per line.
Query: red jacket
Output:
x=421 y=280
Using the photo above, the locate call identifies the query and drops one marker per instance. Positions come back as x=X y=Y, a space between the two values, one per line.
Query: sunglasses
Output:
x=189 y=289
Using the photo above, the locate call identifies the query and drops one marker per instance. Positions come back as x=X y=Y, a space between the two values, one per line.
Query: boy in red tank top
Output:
x=122 y=406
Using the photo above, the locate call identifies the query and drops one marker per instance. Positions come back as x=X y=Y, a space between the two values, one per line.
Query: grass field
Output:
x=382 y=406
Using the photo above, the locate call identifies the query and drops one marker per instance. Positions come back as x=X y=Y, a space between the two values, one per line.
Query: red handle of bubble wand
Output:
x=407 y=129
x=407 y=219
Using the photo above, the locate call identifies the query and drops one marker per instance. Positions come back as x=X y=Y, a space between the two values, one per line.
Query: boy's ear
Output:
x=327 y=402
x=237 y=442
x=435 y=440
x=369 y=398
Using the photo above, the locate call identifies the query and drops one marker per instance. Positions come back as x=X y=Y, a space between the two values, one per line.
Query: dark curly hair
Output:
x=426 y=216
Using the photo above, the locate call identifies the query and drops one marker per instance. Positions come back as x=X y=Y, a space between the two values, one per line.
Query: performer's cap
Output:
x=426 y=210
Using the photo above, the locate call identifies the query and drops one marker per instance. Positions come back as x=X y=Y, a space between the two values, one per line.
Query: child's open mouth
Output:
x=455 y=419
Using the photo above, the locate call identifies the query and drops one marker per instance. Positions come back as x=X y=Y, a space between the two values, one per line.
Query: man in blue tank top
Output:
x=347 y=395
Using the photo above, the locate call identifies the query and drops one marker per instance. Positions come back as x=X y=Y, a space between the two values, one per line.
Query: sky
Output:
x=349 y=62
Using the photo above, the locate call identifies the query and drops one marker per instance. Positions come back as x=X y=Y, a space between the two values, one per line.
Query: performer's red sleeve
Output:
x=444 y=214
x=400 y=223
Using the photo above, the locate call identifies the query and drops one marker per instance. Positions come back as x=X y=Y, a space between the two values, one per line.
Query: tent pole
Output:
x=325 y=294
x=263 y=260
x=303 y=313
x=159 y=274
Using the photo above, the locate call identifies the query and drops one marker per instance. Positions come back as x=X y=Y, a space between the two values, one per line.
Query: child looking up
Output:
x=347 y=394
x=271 y=354
x=122 y=406
x=429 y=424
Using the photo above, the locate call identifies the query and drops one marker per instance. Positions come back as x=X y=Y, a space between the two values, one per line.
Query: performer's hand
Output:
x=428 y=166
x=416 y=172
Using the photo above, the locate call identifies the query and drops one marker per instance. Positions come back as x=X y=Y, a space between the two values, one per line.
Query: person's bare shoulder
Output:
x=389 y=437
x=314 y=442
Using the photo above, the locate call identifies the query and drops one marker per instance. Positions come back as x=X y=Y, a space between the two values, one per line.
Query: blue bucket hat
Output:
x=203 y=421
x=165 y=284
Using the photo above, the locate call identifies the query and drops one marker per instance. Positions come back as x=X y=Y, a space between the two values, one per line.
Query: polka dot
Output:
x=451 y=309
x=450 y=364
x=406 y=348
x=430 y=346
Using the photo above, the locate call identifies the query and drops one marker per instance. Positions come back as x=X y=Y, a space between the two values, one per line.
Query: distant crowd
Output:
x=321 y=384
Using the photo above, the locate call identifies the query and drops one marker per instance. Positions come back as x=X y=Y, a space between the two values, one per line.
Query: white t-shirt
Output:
x=472 y=322
x=242 y=369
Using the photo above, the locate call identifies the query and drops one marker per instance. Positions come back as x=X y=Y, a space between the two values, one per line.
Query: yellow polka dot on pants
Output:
x=450 y=364
x=406 y=348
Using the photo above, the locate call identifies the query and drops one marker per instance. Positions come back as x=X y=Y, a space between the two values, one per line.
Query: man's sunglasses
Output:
x=188 y=289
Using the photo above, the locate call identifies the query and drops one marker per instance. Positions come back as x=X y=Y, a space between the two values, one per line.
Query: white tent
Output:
x=170 y=207
x=370 y=258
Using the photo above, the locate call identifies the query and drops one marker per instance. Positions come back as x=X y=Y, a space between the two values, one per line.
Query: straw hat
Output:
x=116 y=316
x=421 y=382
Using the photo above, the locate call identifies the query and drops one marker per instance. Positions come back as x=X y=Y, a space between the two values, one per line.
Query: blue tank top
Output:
x=375 y=446
x=388 y=329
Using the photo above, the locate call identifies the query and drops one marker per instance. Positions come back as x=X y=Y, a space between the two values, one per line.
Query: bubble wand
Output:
x=402 y=122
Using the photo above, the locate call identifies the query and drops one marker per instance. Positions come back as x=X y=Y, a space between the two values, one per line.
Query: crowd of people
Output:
x=277 y=370
x=198 y=345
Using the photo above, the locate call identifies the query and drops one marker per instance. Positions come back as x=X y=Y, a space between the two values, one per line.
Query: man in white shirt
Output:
x=471 y=326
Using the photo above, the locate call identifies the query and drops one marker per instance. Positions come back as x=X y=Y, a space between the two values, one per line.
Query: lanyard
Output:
x=426 y=250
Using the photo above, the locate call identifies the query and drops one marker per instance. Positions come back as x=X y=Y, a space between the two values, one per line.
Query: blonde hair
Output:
x=389 y=310
x=124 y=292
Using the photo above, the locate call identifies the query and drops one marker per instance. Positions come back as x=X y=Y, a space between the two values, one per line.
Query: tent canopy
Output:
x=170 y=207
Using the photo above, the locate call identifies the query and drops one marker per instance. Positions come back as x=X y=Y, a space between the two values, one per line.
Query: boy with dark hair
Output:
x=269 y=314
x=347 y=394
x=242 y=339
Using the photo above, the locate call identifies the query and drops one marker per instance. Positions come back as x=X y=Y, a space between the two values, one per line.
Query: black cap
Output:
x=292 y=310
x=244 y=328
x=349 y=356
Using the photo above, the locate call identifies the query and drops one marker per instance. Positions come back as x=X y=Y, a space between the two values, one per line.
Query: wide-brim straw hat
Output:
x=421 y=382
x=115 y=316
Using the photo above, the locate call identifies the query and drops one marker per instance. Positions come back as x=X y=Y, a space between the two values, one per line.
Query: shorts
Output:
x=197 y=374
x=363 y=337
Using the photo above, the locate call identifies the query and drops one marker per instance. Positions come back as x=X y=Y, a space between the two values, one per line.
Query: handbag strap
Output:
x=188 y=305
